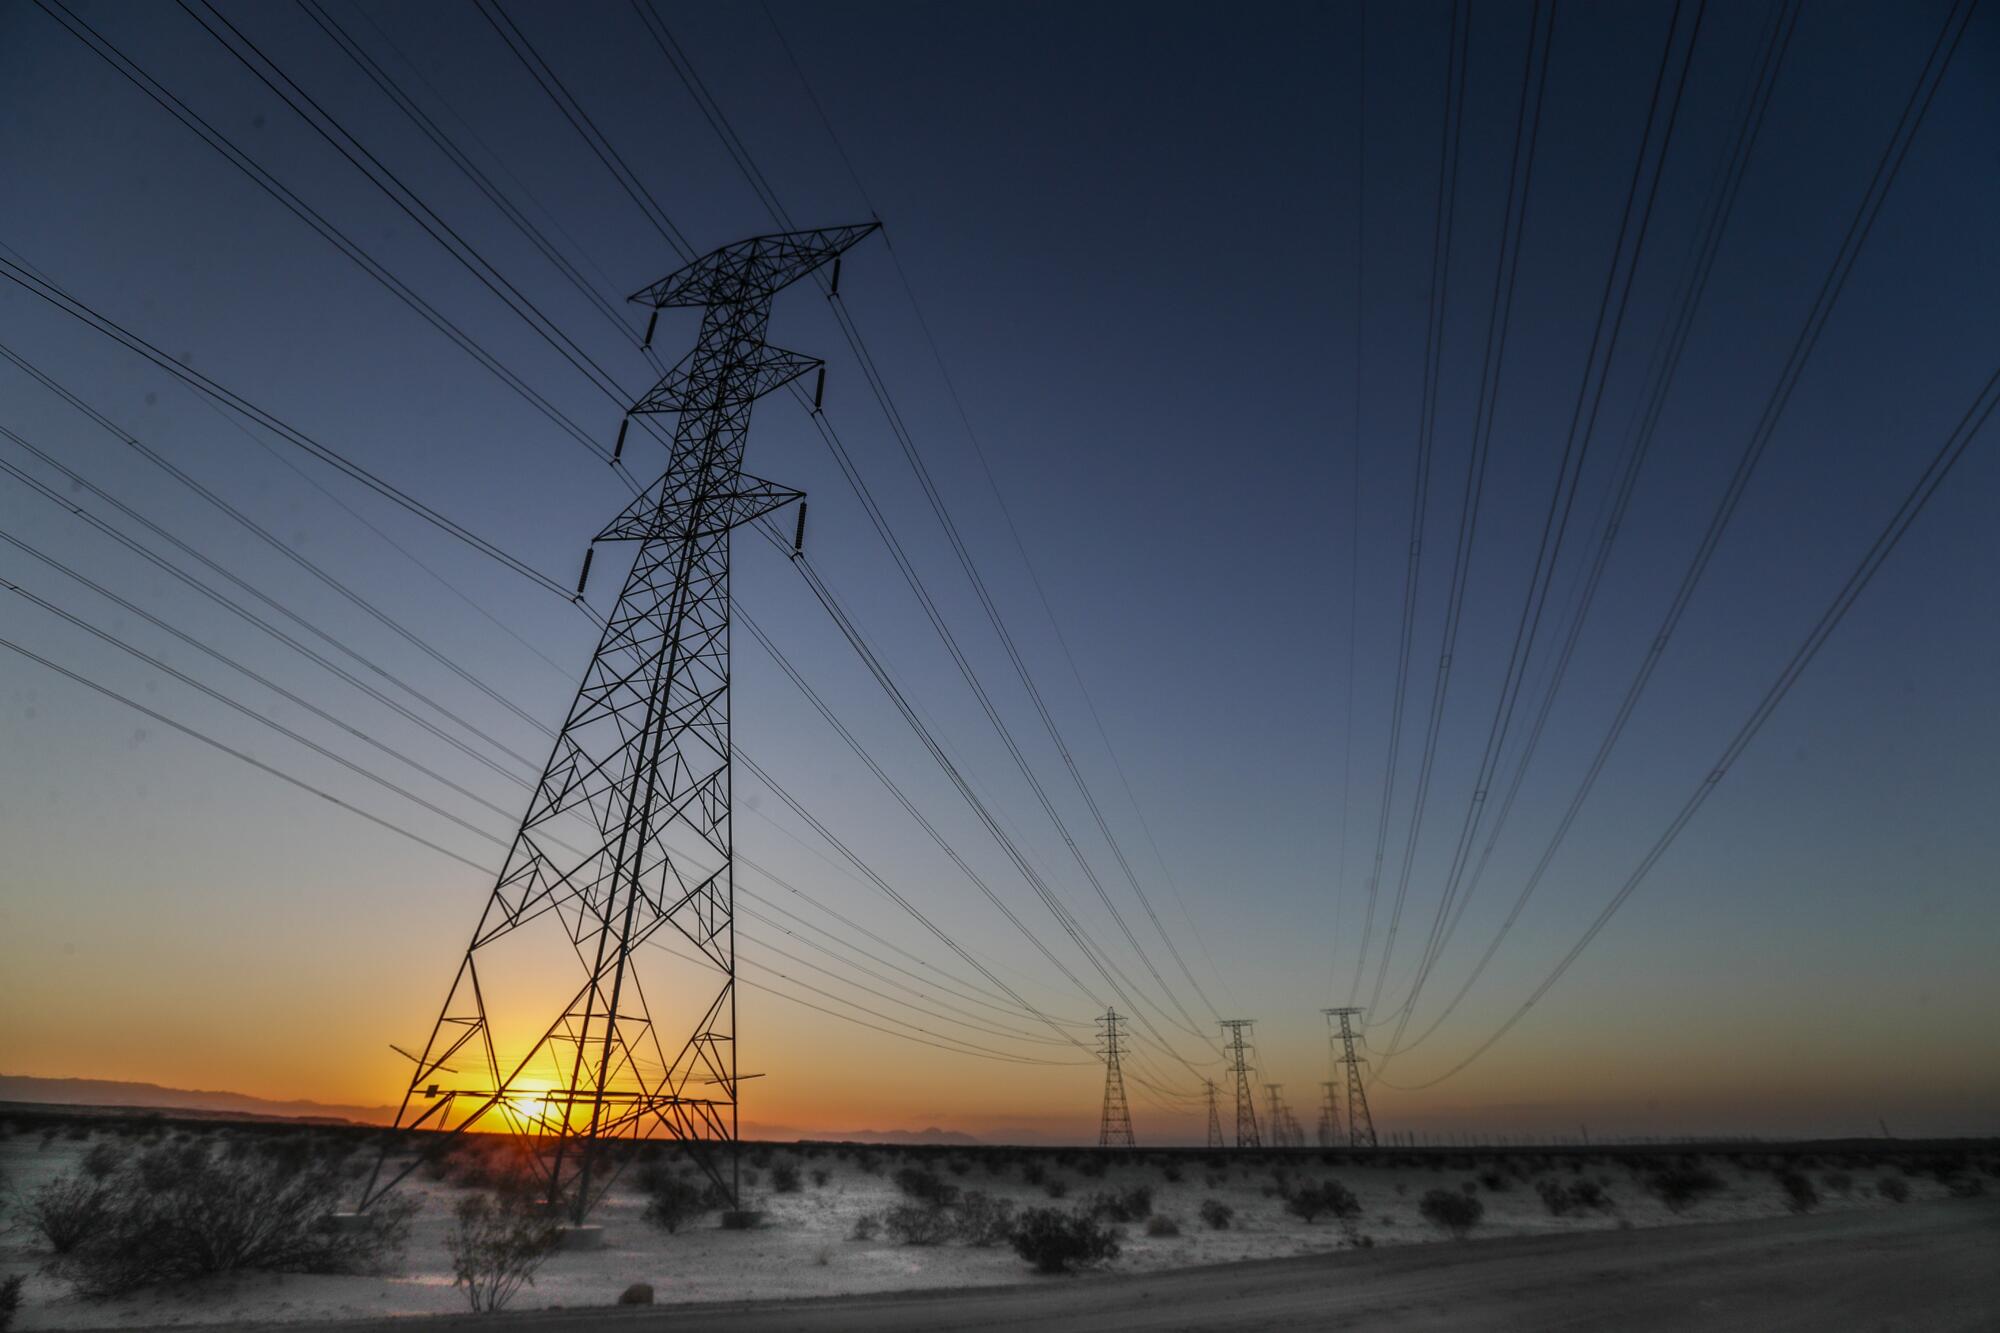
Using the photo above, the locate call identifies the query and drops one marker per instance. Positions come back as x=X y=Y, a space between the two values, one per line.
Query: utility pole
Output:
x=1276 y=1116
x=1360 y=1124
x=628 y=834
x=1214 y=1119
x=1238 y=1051
x=1114 y=1127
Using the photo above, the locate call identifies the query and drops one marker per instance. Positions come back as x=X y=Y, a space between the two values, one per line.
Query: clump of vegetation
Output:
x=1055 y=1241
x=919 y=1224
x=1310 y=1202
x=1894 y=1188
x=1216 y=1214
x=1055 y=1187
x=866 y=1227
x=1839 y=1182
x=1562 y=1200
x=1033 y=1173
x=179 y=1212
x=820 y=1176
x=10 y=1300
x=1452 y=1211
x=1800 y=1196
x=1493 y=1181
x=1092 y=1166
x=68 y=1211
x=1681 y=1187
x=982 y=1219
x=496 y=1248
x=1126 y=1205
x=926 y=1187
x=102 y=1160
x=1159 y=1224
x=1965 y=1187
x=672 y=1201
x=785 y=1177
x=1172 y=1173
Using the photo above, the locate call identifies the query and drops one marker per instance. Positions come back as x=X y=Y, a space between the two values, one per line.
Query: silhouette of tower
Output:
x=1114 y=1127
x=628 y=835
x=1214 y=1118
x=1329 y=1115
x=1238 y=1050
x=1360 y=1124
x=1274 y=1117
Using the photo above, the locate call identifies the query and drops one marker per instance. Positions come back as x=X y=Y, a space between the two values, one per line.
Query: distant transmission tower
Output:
x=1329 y=1115
x=1360 y=1124
x=1214 y=1118
x=1274 y=1119
x=1114 y=1127
x=1239 y=1065
x=628 y=835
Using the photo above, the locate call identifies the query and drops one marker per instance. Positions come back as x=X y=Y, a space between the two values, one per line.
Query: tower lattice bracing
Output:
x=1360 y=1124
x=1329 y=1115
x=1214 y=1116
x=562 y=1025
x=1237 y=1049
x=1114 y=1127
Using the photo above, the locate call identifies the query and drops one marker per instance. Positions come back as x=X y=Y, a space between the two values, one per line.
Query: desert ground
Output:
x=843 y=1220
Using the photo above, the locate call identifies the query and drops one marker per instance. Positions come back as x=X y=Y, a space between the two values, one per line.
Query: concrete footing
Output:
x=741 y=1219
x=586 y=1237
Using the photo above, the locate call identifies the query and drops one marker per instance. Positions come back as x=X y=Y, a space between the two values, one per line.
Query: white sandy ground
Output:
x=804 y=1246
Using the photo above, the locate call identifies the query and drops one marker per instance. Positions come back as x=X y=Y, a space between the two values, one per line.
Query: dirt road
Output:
x=1934 y=1267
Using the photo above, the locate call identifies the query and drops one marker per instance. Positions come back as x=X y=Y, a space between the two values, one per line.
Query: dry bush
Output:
x=984 y=1220
x=785 y=1178
x=1800 y=1196
x=1681 y=1187
x=672 y=1201
x=10 y=1300
x=102 y=1160
x=919 y=1224
x=190 y=1218
x=1056 y=1242
x=1217 y=1214
x=496 y=1248
x=1452 y=1211
x=1126 y=1205
x=925 y=1187
x=68 y=1211
x=1159 y=1224
x=865 y=1227
x=820 y=1176
x=1329 y=1196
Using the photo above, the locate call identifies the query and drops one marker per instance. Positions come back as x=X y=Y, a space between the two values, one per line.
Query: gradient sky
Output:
x=1132 y=231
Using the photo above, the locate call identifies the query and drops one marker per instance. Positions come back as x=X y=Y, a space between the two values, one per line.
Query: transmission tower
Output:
x=1214 y=1118
x=628 y=835
x=1329 y=1115
x=1360 y=1125
x=1239 y=1065
x=1114 y=1127
x=1274 y=1118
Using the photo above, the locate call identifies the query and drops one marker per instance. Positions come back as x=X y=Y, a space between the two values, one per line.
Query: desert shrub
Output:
x=1839 y=1182
x=10 y=1300
x=1126 y=1205
x=68 y=1211
x=1171 y=1172
x=925 y=1187
x=1215 y=1180
x=1894 y=1188
x=1055 y=1187
x=674 y=1201
x=1681 y=1187
x=919 y=1224
x=1800 y=1196
x=1217 y=1214
x=102 y=1160
x=785 y=1178
x=1033 y=1173
x=169 y=1164
x=1159 y=1224
x=866 y=1227
x=984 y=1220
x=1056 y=1242
x=1329 y=1196
x=1092 y=1166
x=820 y=1176
x=958 y=1166
x=1562 y=1200
x=228 y=1214
x=1965 y=1187
x=1452 y=1211
x=869 y=1163
x=1493 y=1181
x=496 y=1247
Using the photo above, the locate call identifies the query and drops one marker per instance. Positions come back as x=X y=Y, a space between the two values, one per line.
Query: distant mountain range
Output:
x=107 y=1094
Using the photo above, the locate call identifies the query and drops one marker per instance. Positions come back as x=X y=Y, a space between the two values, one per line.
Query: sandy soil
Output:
x=805 y=1249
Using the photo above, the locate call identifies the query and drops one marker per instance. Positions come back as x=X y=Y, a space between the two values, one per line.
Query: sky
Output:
x=1178 y=263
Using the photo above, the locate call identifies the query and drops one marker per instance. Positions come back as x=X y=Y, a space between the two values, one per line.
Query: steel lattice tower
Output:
x=628 y=835
x=1329 y=1115
x=1239 y=1064
x=1114 y=1127
x=1360 y=1124
x=1274 y=1116
x=1214 y=1117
